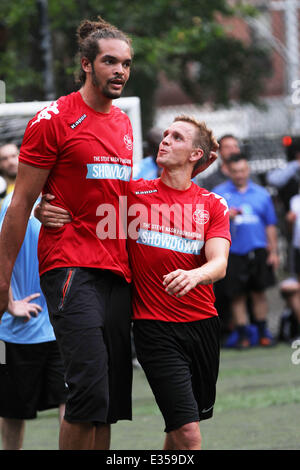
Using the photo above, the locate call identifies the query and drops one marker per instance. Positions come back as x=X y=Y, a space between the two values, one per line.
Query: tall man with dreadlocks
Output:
x=80 y=149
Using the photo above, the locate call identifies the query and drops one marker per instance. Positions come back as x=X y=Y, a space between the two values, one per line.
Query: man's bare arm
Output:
x=180 y=282
x=29 y=184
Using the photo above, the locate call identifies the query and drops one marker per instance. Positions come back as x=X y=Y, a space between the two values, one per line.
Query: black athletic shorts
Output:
x=181 y=363
x=246 y=273
x=90 y=310
x=31 y=380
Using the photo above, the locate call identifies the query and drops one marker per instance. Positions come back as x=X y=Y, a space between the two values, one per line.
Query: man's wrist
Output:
x=272 y=250
x=10 y=304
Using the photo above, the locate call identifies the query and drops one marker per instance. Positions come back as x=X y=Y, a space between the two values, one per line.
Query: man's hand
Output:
x=49 y=215
x=272 y=248
x=23 y=308
x=180 y=282
x=291 y=217
x=233 y=212
x=273 y=260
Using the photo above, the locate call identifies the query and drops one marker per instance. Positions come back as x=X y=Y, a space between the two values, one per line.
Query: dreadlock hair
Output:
x=88 y=35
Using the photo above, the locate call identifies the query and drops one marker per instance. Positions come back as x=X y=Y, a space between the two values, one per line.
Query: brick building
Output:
x=268 y=27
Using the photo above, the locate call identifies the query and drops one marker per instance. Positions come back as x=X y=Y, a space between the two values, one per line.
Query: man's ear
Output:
x=86 y=64
x=212 y=158
x=196 y=154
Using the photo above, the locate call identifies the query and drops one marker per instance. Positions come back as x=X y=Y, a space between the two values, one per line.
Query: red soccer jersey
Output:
x=167 y=230
x=90 y=158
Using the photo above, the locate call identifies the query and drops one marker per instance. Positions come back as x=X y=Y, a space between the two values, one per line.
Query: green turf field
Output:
x=257 y=407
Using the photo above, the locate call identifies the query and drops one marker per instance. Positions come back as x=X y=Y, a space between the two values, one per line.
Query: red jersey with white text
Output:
x=89 y=155
x=167 y=230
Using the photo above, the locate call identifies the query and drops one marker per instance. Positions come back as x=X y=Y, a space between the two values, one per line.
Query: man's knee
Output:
x=187 y=436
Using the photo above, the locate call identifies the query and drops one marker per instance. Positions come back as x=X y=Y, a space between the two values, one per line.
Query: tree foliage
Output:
x=180 y=37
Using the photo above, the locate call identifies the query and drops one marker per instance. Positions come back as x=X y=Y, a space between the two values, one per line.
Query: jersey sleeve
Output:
x=40 y=143
x=219 y=225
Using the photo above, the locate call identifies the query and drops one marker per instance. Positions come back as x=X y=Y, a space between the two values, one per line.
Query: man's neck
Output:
x=95 y=100
x=176 y=180
x=243 y=188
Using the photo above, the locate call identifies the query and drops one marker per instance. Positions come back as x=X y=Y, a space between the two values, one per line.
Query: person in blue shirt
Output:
x=147 y=168
x=228 y=145
x=32 y=377
x=253 y=255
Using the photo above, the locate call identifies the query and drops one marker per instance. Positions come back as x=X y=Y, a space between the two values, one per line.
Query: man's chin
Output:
x=160 y=164
x=112 y=95
x=12 y=176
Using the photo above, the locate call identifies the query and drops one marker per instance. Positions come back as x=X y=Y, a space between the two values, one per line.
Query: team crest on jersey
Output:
x=201 y=216
x=128 y=142
x=46 y=112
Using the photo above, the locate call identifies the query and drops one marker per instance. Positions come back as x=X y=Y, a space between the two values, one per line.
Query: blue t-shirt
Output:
x=146 y=169
x=248 y=229
x=25 y=281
